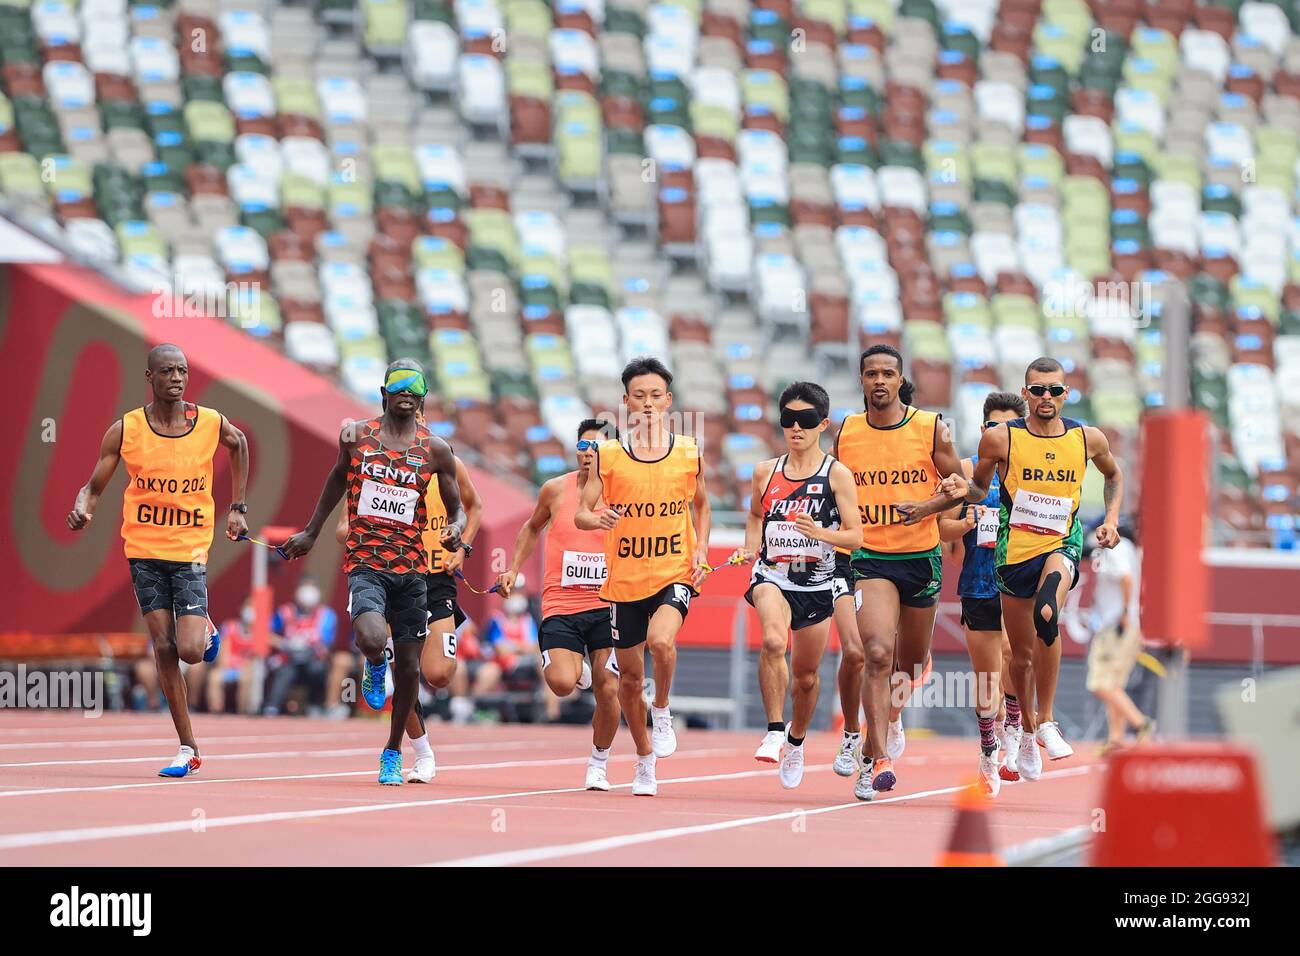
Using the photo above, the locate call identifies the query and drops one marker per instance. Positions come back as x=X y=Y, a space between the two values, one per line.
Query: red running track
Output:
x=285 y=791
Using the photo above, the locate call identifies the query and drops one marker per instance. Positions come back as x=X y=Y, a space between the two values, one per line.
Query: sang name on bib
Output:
x=798 y=562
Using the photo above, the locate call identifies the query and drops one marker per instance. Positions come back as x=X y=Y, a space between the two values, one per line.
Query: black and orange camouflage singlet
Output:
x=386 y=507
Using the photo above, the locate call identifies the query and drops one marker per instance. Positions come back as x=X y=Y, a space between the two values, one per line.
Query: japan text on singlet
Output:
x=653 y=544
x=387 y=509
x=1040 y=494
x=891 y=465
x=167 y=508
x=574 y=559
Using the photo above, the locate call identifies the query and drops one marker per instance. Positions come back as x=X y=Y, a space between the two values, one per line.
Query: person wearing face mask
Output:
x=509 y=647
x=304 y=633
x=234 y=664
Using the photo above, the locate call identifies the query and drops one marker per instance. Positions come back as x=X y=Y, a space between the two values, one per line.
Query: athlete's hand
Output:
x=609 y=517
x=298 y=545
x=506 y=583
x=805 y=525
x=450 y=538
x=453 y=561
x=78 y=518
x=908 y=510
x=955 y=487
x=973 y=515
x=1107 y=536
x=741 y=556
x=701 y=567
x=236 y=525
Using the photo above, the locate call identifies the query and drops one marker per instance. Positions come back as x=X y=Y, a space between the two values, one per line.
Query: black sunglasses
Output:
x=805 y=417
x=1038 y=391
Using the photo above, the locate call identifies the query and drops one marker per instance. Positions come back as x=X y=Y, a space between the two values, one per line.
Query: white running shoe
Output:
x=863 y=789
x=847 y=761
x=989 y=779
x=769 y=751
x=1049 y=736
x=792 y=766
x=1030 y=763
x=895 y=740
x=584 y=680
x=424 y=770
x=643 y=782
x=596 y=778
x=1011 y=752
x=663 y=739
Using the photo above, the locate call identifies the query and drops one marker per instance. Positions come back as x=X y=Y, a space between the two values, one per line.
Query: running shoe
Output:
x=1030 y=762
x=769 y=751
x=663 y=739
x=990 y=778
x=862 y=789
x=424 y=770
x=213 y=646
x=883 y=777
x=584 y=679
x=186 y=764
x=372 y=683
x=1011 y=751
x=847 y=762
x=792 y=766
x=596 y=777
x=895 y=739
x=1049 y=737
x=643 y=781
x=390 y=768
x=1147 y=730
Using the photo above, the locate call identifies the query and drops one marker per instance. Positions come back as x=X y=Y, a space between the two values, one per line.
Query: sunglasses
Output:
x=586 y=444
x=1038 y=391
x=992 y=424
x=804 y=417
x=406 y=380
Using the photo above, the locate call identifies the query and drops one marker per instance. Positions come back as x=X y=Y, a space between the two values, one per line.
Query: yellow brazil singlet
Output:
x=437 y=512
x=653 y=544
x=890 y=465
x=1040 y=494
x=167 y=508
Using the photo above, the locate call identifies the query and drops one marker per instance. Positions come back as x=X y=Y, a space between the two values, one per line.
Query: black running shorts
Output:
x=400 y=598
x=177 y=586
x=581 y=633
x=630 y=620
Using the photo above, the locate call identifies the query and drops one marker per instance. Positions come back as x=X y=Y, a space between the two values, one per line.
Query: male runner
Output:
x=802 y=507
x=976 y=527
x=575 y=621
x=167 y=523
x=656 y=529
x=386 y=465
x=438 y=656
x=893 y=450
x=1041 y=460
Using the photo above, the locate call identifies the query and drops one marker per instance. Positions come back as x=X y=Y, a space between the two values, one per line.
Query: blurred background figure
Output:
x=469 y=651
x=234 y=664
x=1115 y=627
x=304 y=631
x=511 y=657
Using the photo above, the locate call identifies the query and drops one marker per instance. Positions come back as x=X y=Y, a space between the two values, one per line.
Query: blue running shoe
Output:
x=186 y=764
x=390 y=768
x=372 y=683
x=214 y=643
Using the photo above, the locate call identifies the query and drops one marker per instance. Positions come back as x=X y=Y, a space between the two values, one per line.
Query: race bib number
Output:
x=449 y=644
x=583 y=569
x=388 y=650
x=682 y=594
x=783 y=541
x=1041 y=514
x=986 y=528
x=387 y=503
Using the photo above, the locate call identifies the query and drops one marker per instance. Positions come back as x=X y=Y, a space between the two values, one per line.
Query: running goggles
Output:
x=1038 y=391
x=992 y=424
x=805 y=417
x=406 y=380
x=586 y=444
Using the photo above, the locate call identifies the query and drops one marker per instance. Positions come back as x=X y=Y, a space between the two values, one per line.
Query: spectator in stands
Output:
x=234 y=664
x=511 y=658
x=469 y=652
x=304 y=633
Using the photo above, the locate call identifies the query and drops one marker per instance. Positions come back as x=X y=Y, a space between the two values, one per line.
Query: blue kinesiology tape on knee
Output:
x=1046 y=598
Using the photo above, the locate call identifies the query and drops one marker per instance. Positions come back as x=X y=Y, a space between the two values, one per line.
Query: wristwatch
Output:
x=240 y=506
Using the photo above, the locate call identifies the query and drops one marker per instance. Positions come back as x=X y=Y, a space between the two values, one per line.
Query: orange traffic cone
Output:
x=971 y=843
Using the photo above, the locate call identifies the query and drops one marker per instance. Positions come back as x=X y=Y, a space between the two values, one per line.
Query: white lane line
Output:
x=87 y=834
x=505 y=764
x=561 y=850
x=267 y=754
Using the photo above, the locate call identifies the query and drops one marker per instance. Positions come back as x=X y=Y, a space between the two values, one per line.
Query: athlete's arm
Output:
x=235 y=442
x=995 y=445
x=444 y=463
x=341 y=529
x=473 y=505
x=1112 y=491
x=335 y=483
x=586 y=518
x=110 y=450
x=702 y=518
x=526 y=540
x=849 y=534
x=754 y=520
x=952 y=526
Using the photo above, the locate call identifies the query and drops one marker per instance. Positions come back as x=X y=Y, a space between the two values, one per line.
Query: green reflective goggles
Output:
x=406 y=380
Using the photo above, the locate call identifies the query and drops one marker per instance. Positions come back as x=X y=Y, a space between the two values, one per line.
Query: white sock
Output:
x=421 y=746
x=599 y=756
x=656 y=711
x=647 y=759
x=189 y=751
